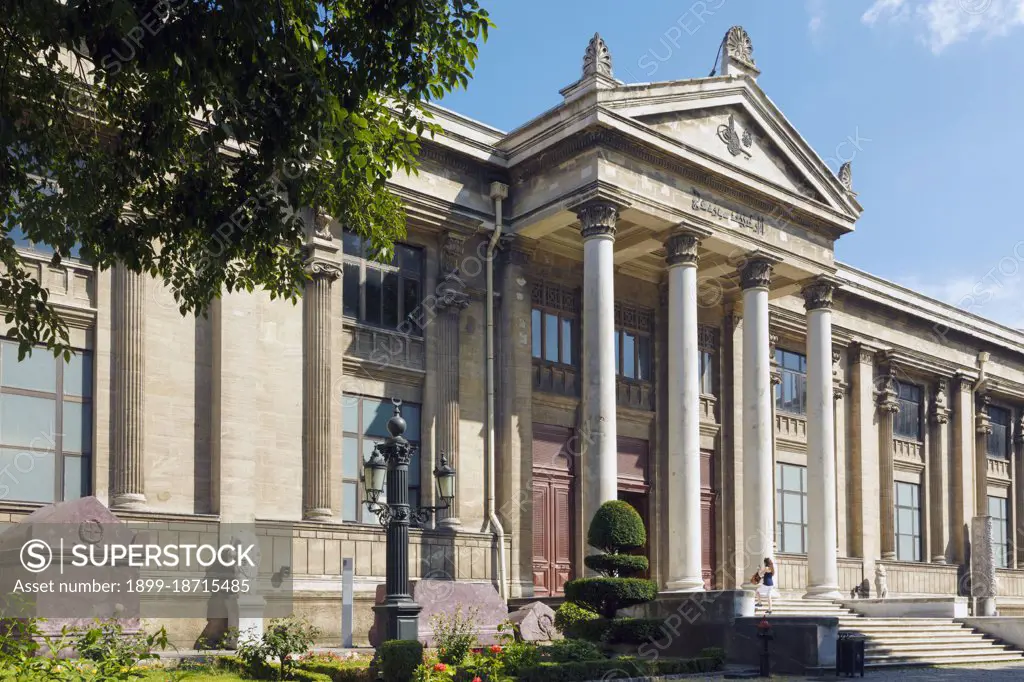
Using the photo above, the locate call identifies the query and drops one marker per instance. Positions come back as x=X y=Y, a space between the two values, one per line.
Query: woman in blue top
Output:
x=767 y=586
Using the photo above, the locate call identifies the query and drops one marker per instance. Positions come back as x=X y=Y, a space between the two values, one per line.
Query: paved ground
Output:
x=987 y=673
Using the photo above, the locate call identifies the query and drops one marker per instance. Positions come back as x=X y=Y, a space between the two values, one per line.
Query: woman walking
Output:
x=767 y=584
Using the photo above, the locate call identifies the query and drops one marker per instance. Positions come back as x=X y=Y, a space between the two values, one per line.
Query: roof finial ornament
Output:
x=597 y=60
x=846 y=176
x=739 y=53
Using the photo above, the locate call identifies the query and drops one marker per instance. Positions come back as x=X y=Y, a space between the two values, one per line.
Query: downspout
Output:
x=983 y=380
x=498 y=192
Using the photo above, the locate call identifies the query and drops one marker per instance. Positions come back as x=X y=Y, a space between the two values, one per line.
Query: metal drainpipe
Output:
x=498 y=192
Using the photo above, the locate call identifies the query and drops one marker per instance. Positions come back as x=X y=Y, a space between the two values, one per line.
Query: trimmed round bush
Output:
x=607 y=595
x=399 y=659
x=572 y=650
x=616 y=528
x=569 y=614
x=617 y=565
x=634 y=630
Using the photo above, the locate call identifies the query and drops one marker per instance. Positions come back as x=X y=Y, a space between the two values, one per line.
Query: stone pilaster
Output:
x=127 y=457
x=758 y=496
x=731 y=501
x=888 y=407
x=684 y=485
x=962 y=475
x=600 y=461
x=317 y=363
x=1017 y=514
x=452 y=301
x=839 y=387
x=822 y=534
x=514 y=388
x=938 y=472
x=864 y=465
x=982 y=430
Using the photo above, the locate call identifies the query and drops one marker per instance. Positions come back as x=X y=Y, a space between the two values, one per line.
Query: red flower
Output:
x=440 y=667
x=477 y=679
x=495 y=649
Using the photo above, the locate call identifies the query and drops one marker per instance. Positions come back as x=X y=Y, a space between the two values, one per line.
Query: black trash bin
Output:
x=850 y=654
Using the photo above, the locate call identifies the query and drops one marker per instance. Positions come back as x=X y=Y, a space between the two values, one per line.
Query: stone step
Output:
x=892 y=648
x=884 y=639
x=932 y=660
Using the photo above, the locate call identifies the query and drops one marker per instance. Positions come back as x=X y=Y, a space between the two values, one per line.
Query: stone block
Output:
x=535 y=622
x=446 y=597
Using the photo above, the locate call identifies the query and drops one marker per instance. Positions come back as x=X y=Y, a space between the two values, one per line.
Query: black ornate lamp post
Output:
x=389 y=465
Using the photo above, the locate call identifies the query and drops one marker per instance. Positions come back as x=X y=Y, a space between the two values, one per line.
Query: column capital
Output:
x=322 y=269
x=940 y=402
x=598 y=219
x=818 y=293
x=1018 y=437
x=452 y=246
x=682 y=243
x=863 y=353
x=756 y=271
x=452 y=300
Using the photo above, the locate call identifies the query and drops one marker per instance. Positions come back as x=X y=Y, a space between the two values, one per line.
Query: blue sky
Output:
x=926 y=97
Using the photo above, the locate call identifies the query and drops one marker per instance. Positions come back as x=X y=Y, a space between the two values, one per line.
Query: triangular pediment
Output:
x=733 y=121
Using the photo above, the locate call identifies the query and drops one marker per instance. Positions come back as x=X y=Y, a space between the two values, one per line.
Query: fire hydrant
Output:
x=764 y=631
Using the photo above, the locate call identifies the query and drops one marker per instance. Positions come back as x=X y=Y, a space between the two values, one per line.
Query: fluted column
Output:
x=599 y=433
x=452 y=301
x=317 y=336
x=758 y=496
x=822 y=536
x=127 y=458
x=982 y=430
x=888 y=407
x=1017 y=515
x=938 y=472
x=685 y=569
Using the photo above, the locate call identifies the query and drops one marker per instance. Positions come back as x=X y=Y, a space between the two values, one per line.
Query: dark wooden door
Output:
x=708 y=536
x=553 y=491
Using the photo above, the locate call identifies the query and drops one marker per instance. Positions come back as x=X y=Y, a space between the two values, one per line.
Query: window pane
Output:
x=350 y=413
x=705 y=373
x=618 y=355
x=349 y=501
x=905 y=520
x=905 y=548
x=792 y=508
x=29 y=477
x=550 y=337
x=373 y=295
x=791 y=477
x=77 y=427
x=390 y=300
x=375 y=417
x=411 y=300
x=27 y=421
x=644 y=354
x=414 y=468
x=350 y=460
x=794 y=538
x=409 y=259
x=351 y=244
x=567 y=342
x=77 y=483
x=411 y=414
x=902 y=495
x=629 y=355
x=535 y=328
x=78 y=375
x=350 y=290
x=37 y=372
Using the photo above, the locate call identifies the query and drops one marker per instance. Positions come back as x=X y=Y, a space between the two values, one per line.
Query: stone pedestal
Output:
x=431 y=597
x=245 y=616
x=983 y=567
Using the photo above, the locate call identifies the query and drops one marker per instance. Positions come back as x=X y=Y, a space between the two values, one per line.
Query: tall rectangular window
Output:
x=45 y=426
x=553 y=337
x=998 y=442
x=908 y=521
x=791 y=508
x=706 y=372
x=998 y=510
x=791 y=394
x=382 y=294
x=364 y=425
x=632 y=355
x=908 y=419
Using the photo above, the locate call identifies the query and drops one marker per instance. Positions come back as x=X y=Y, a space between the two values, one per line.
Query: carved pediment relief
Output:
x=732 y=135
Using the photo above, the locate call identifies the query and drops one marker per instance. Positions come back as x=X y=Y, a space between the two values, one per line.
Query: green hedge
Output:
x=569 y=614
x=616 y=527
x=399 y=659
x=617 y=565
x=616 y=669
x=571 y=651
x=339 y=671
x=589 y=630
x=633 y=630
x=302 y=675
x=607 y=595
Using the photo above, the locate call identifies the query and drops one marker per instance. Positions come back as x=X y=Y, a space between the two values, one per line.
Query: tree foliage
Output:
x=181 y=137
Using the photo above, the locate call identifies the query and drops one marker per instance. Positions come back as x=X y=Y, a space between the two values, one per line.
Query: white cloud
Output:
x=816 y=9
x=945 y=22
x=997 y=295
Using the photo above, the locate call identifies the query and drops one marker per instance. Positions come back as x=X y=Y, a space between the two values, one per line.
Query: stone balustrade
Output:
x=791 y=427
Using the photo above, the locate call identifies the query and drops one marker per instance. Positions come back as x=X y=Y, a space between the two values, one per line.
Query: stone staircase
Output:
x=895 y=642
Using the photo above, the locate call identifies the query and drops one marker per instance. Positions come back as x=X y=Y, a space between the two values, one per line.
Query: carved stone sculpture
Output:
x=597 y=60
x=881 y=582
x=535 y=622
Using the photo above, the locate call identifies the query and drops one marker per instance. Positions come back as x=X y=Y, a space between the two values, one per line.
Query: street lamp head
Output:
x=375 y=470
x=396 y=425
x=445 y=476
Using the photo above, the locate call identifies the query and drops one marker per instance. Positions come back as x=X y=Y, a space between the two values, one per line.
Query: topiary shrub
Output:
x=399 y=659
x=606 y=596
x=617 y=565
x=569 y=614
x=572 y=650
x=616 y=528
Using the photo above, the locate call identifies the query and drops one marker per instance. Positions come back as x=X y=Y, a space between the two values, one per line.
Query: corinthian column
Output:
x=822 y=536
x=317 y=355
x=450 y=304
x=600 y=466
x=127 y=460
x=758 y=496
x=888 y=407
x=685 y=568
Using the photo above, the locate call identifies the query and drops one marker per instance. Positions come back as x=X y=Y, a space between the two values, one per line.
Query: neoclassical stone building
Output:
x=669 y=327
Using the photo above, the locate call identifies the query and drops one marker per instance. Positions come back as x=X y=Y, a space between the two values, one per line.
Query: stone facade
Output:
x=662 y=247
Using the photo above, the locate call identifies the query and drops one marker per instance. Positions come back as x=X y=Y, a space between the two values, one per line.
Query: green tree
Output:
x=181 y=137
